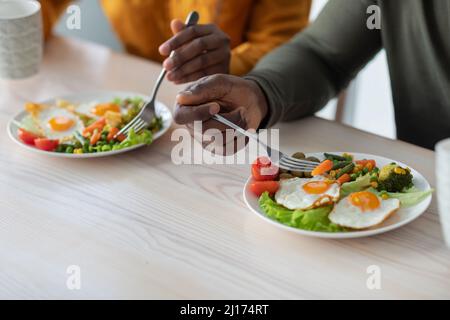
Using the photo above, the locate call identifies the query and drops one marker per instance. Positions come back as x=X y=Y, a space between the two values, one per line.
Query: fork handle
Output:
x=191 y=20
x=227 y=122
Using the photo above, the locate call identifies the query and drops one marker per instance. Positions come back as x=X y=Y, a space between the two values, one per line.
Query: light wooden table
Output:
x=140 y=227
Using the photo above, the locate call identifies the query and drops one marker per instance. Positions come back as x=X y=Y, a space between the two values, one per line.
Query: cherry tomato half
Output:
x=259 y=187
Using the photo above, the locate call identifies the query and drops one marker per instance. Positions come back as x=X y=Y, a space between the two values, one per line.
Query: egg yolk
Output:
x=101 y=109
x=366 y=201
x=316 y=187
x=61 y=123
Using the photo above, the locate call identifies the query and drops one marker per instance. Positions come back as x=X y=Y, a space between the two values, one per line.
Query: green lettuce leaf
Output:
x=145 y=137
x=359 y=184
x=407 y=199
x=312 y=220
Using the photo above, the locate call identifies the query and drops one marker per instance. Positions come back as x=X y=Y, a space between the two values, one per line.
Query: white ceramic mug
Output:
x=443 y=186
x=21 y=38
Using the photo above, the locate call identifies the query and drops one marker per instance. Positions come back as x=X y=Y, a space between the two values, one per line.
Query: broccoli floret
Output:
x=393 y=178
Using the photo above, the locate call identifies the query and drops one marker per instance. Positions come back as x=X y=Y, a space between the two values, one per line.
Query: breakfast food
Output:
x=341 y=194
x=66 y=127
x=362 y=210
x=304 y=193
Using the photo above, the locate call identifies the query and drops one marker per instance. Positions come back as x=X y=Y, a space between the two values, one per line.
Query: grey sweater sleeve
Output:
x=300 y=77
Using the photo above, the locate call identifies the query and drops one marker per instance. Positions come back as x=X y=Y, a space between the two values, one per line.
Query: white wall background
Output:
x=372 y=104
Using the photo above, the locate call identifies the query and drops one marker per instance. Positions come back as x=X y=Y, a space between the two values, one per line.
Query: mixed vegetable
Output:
x=391 y=181
x=99 y=128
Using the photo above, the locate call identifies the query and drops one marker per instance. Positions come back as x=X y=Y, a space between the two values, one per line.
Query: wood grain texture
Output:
x=141 y=227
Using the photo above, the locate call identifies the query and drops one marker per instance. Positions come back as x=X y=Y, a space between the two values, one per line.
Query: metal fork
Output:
x=284 y=161
x=147 y=113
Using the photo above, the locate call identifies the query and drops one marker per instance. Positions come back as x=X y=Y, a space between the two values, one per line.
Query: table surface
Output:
x=139 y=226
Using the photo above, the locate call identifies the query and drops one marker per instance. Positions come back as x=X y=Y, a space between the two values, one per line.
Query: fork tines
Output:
x=289 y=163
x=137 y=124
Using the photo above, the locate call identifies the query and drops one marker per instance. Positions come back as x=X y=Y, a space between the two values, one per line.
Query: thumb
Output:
x=176 y=26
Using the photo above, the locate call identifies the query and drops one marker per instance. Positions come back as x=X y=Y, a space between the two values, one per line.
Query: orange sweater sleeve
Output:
x=51 y=11
x=271 y=24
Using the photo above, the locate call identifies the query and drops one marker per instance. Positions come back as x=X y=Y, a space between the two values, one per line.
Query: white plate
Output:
x=97 y=96
x=399 y=219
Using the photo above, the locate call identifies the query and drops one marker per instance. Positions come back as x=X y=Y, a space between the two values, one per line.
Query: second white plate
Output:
x=88 y=97
x=399 y=219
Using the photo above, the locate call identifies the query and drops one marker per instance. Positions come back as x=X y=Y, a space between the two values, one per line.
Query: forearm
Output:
x=300 y=77
x=295 y=82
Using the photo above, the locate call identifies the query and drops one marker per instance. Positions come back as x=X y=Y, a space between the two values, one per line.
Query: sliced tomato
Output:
x=263 y=162
x=259 y=187
x=264 y=170
x=27 y=137
x=46 y=144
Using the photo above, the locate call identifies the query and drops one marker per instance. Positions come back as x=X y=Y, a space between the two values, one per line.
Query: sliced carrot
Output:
x=97 y=125
x=365 y=162
x=112 y=133
x=344 y=178
x=322 y=168
x=95 y=137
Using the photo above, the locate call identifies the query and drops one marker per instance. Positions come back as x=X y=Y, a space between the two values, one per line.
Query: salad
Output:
x=341 y=194
x=72 y=128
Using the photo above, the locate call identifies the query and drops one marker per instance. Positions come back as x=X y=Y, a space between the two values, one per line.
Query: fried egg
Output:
x=57 y=123
x=362 y=210
x=304 y=194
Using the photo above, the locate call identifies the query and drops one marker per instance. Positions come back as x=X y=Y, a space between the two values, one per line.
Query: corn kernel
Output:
x=62 y=103
x=384 y=196
x=78 y=151
x=399 y=170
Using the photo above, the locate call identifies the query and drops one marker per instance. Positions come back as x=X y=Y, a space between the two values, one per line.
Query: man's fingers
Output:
x=176 y=26
x=196 y=48
x=207 y=89
x=201 y=62
x=184 y=36
x=189 y=114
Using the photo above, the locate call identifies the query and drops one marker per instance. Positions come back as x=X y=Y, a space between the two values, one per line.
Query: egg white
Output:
x=292 y=195
x=345 y=214
x=46 y=115
x=86 y=108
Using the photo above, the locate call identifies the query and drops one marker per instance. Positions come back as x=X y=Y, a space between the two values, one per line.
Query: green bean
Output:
x=334 y=157
x=340 y=164
x=345 y=170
